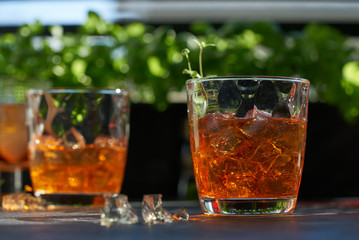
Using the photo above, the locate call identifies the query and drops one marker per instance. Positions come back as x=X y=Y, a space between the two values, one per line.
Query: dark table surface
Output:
x=335 y=219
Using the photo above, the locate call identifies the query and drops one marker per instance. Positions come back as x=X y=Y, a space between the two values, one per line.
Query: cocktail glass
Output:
x=78 y=142
x=13 y=137
x=14 y=162
x=247 y=137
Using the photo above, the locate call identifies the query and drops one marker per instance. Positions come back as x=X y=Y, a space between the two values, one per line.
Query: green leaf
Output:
x=9 y=38
x=191 y=73
x=185 y=52
x=155 y=67
x=92 y=20
x=135 y=29
x=351 y=73
x=57 y=31
x=249 y=39
x=78 y=67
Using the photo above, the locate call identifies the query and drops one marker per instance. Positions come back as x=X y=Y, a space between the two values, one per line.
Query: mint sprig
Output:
x=189 y=71
x=185 y=52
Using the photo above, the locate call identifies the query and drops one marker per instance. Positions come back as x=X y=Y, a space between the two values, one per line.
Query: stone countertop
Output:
x=335 y=219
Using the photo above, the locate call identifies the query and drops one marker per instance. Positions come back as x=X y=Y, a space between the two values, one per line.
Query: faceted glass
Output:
x=78 y=141
x=247 y=137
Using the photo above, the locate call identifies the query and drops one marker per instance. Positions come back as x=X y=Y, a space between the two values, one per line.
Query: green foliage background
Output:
x=147 y=60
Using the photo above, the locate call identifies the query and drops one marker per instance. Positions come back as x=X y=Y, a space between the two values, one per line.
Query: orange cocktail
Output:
x=93 y=169
x=231 y=163
x=247 y=137
x=78 y=142
x=13 y=137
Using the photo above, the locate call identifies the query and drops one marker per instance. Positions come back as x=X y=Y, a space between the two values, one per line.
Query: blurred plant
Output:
x=147 y=60
x=319 y=53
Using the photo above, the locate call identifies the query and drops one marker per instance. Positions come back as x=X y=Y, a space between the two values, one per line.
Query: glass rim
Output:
x=249 y=77
x=108 y=91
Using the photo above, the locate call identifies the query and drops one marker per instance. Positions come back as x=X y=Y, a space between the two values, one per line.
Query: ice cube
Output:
x=238 y=186
x=74 y=139
x=214 y=122
x=54 y=159
x=23 y=201
x=226 y=140
x=117 y=210
x=286 y=164
x=181 y=215
x=266 y=154
x=105 y=141
x=76 y=178
x=152 y=210
x=259 y=125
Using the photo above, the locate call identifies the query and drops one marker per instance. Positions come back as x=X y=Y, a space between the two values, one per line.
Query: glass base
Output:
x=263 y=206
x=73 y=200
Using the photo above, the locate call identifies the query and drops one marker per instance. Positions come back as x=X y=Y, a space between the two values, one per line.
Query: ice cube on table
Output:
x=23 y=201
x=152 y=210
x=117 y=210
x=181 y=215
